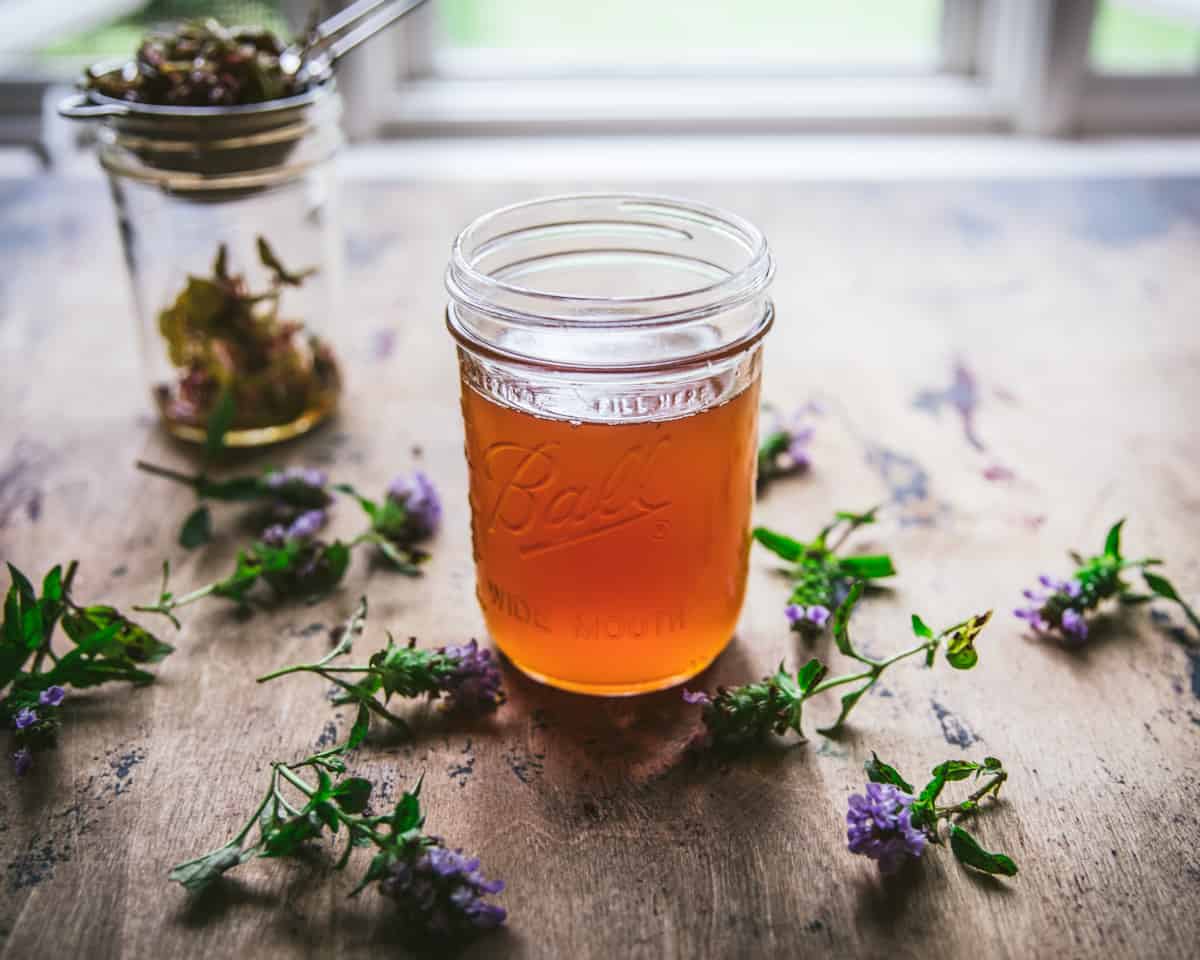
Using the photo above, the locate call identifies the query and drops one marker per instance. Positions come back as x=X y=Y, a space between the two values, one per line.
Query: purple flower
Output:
x=801 y=616
x=1074 y=624
x=25 y=718
x=697 y=698
x=299 y=476
x=307 y=525
x=420 y=501
x=275 y=535
x=52 y=696
x=817 y=615
x=473 y=683
x=880 y=826
x=441 y=895
x=22 y=760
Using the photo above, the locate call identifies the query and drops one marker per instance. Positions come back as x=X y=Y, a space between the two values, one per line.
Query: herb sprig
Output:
x=438 y=892
x=747 y=714
x=106 y=647
x=783 y=448
x=292 y=559
x=892 y=822
x=465 y=676
x=822 y=579
x=1062 y=606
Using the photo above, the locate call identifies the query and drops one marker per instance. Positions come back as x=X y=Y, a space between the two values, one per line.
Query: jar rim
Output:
x=478 y=290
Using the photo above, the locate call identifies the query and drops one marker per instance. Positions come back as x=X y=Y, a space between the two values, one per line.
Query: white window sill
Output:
x=744 y=105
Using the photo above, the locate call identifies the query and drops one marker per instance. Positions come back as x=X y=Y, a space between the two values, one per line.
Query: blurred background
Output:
x=1058 y=69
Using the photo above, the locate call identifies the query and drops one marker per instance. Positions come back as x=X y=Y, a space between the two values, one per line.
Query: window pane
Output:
x=1132 y=37
x=818 y=32
x=120 y=37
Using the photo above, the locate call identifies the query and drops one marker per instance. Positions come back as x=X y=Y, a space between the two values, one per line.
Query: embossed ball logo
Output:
x=535 y=503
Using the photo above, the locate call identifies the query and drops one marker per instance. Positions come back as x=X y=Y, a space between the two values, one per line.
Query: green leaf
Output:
x=880 y=772
x=197 y=529
x=810 y=675
x=219 y=422
x=381 y=863
x=967 y=849
x=960 y=645
x=783 y=547
x=848 y=702
x=1112 y=543
x=352 y=794
x=991 y=763
x=197 y=874
x=22 y=584
x=124 y=638
x=867 y=567
x=841 y=621
x=358 y=732
x=1161 y=586
x=920 y=629
x=235 y=489
x=955 y=770
x=933 y=789
x=407 y=815
x=289 y=836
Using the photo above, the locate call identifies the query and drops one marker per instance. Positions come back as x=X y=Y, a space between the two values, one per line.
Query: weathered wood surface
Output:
x=1071 y=310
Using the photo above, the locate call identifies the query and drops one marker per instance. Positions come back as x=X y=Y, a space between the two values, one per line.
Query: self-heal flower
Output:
x=891 y=822
x=880 y=827
x=311 y=477
x=784 y=444
x=420 y=500
x=25 y=718
x=441 y=895
x=1062 y=605
x=473 y=683
x=22 y=761
x=821 y=579
x=52 y=696
x=307 y=525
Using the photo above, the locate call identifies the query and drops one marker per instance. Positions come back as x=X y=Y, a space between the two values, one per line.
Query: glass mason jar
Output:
x=609 y=351
x=228 y=219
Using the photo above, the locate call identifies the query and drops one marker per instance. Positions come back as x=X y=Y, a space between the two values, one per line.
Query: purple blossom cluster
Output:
x=26 y=720
x=312 y=477
x=441 y=894
x=303 y=529
x=880 y=826
x=798 y=615
x=799 y=435
x=1057 y=605
x=421 y=503
x=474 y=683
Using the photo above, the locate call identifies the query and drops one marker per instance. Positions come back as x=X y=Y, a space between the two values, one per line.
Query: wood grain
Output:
x=1068 y=309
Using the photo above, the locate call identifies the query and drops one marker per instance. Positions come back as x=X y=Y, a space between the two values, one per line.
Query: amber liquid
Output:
x=611 y=557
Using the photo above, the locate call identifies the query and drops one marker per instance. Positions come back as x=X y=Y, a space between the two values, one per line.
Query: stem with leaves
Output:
x=822 y=578
x=746 y=714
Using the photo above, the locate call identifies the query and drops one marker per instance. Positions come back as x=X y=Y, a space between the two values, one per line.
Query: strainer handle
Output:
x=79 y=107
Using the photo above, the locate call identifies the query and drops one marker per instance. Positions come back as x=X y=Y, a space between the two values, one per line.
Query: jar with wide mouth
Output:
x=609 y=349
x=228 y=222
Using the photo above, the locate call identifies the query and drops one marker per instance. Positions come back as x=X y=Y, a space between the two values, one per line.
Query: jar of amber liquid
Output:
x=609 y=350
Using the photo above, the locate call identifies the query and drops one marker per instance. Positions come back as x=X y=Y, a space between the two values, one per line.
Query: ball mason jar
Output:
x=609 y=349
x=228 y=220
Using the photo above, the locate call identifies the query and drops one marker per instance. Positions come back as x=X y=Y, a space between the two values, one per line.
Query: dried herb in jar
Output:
x=235 y=354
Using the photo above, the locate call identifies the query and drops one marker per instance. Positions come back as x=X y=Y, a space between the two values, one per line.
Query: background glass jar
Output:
x=228 y=219
x=609 y=350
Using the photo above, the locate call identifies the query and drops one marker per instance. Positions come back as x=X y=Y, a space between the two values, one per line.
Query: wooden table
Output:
x=1066 y=314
